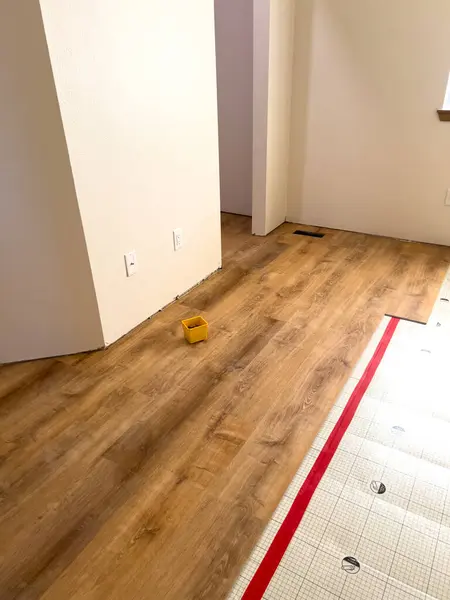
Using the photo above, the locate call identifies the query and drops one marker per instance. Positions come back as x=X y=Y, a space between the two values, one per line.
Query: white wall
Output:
x=234 y=53
x=273 y=63
x=281 y=48
x=47 y=299
x=368 y=151
x=261 y=35
x=137 y=89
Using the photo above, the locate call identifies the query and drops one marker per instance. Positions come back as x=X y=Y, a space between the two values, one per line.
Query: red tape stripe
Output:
x=275 y=553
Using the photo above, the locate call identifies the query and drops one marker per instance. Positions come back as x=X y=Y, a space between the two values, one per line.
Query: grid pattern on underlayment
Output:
x=385 y=498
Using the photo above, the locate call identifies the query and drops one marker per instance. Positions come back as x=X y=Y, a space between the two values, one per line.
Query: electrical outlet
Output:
x=177 y=239
x=131 y=263
x=447 y=198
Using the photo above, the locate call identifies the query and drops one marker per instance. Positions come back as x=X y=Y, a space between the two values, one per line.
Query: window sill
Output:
x=444 y=114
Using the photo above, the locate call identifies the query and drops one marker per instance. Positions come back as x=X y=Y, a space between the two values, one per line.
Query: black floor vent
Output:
x=308 y=233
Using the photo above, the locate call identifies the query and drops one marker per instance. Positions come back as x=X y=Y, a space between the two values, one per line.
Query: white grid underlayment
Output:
x=399 y=437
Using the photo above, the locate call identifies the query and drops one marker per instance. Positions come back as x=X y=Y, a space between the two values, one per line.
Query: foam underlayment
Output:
x=378 y=525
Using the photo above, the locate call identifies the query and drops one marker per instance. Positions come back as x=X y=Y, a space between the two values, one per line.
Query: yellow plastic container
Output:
x=195 y=329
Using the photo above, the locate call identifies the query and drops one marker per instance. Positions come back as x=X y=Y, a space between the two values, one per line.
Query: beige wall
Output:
x=137 y=89
x=47 y=299
x=234 y=53
x=273 y=63
x=368 y=152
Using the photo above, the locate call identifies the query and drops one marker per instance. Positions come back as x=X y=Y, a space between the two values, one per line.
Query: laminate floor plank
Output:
x=148 y=470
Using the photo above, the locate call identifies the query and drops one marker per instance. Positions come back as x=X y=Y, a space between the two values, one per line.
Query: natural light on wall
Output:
x=447 y=96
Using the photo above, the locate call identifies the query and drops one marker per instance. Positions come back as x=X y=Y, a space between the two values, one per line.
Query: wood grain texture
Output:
x=148 y=470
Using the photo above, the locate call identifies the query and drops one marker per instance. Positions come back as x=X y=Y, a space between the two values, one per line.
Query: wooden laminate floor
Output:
x=147 y=471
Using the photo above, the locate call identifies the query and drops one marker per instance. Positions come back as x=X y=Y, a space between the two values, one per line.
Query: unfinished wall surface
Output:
x=234 y=54
x=137 y=90
x=47 y=299
x=273 y=63
x=368 y=152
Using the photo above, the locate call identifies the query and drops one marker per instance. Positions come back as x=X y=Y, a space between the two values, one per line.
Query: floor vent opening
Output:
x=309 y=233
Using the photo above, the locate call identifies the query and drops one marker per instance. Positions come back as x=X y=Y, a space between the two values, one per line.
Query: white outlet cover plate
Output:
x=131 y=263
x=177 y=238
